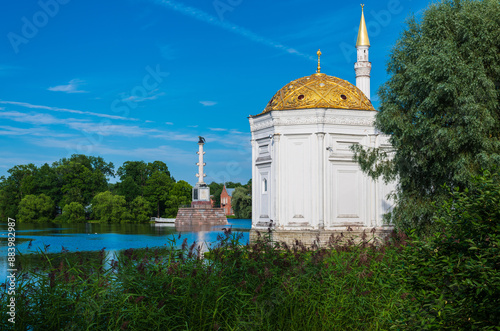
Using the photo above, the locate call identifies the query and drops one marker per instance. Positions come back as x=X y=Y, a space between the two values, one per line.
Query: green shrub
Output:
x=454 y=276
x=140 y=209
x=74 y=213
x=36 y=209
x=110 y=208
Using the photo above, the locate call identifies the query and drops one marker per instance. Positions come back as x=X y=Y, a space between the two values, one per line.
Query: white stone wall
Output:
x=304 y=159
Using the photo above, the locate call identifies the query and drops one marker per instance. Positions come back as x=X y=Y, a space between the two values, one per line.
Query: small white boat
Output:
x=163 y=220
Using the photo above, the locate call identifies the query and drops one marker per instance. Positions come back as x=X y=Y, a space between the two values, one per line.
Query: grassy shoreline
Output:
x=254 y=287
x=259 y=286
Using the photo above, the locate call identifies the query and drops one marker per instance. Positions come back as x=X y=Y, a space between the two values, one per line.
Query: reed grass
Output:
x=258 y=286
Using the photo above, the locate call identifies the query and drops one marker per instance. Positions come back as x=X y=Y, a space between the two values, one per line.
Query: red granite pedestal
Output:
x=200 y=213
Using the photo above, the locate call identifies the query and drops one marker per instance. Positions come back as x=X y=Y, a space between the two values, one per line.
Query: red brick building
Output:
x=225 y=200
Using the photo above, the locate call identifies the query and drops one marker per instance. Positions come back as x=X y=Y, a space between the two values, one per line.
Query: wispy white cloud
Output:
x=192 y=126
x=208 y=103
x=9 y=162
x=212 y=20
x=176 y=136
x=107 y=129
x=169 y=123
x=71 y=87
x=6 y=130
x=30 y=118
x=66 y=110
x=164 y=152
x=217 y=129
x=152 y=95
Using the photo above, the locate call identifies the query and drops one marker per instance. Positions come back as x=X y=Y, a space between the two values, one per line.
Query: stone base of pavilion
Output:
x=325 y=237
x=200 y=213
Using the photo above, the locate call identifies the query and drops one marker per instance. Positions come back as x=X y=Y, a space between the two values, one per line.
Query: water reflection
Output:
x=112 y=237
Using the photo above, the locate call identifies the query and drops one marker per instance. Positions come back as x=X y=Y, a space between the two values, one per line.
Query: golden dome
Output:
x=319 y=91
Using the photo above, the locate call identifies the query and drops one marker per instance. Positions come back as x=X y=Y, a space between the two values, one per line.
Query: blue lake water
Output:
x=111 y=237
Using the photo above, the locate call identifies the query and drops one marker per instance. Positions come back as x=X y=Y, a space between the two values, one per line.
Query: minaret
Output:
x=363 y=66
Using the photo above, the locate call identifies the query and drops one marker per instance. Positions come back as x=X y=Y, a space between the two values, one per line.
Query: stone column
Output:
x=200 y=164
x=255 y=192
x=321 y=179
x=275 y=173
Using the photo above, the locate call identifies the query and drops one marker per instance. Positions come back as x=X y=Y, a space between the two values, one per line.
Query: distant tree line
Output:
x=77 y=189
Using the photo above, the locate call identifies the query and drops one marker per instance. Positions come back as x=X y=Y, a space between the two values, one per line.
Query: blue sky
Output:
x=141 y=79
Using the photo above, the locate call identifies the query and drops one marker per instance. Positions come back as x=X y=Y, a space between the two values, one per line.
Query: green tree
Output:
x=158 y=166
x=14 y=188
x=93 y=163
x=454 y=275
x=36 y=209
x=82 y=177
x=440 y=107
x=242 y=203
x=129 y=189
x=133 y=177
x=73 y=213
x=179 y=195
x=156 y=190
x=77 y=183
x=9 y=198
x=215 y=191
x=140 y=209
x=110 y=208
x=49 y=183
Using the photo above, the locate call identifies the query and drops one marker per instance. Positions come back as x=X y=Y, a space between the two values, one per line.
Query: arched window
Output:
x=264 y=185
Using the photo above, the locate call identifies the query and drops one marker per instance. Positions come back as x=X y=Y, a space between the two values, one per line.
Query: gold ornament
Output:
x=362 y=32
x=319 y=67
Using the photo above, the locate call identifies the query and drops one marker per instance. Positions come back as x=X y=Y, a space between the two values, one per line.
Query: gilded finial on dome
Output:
x=319 y=67
x=362 y=32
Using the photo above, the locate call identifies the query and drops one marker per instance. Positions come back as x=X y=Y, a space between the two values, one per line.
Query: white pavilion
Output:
x=305 y=181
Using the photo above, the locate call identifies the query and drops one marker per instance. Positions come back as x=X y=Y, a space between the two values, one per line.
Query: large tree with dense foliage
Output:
x=157 y=190
x=82 y=177
x=440 y=106
x=73 y=213
x=36 y=209
x=15 y=187
x=110 y=208
x=179 y=195
x=242 y=202
x=133 y=177
x=140 y=209
x=454 y=275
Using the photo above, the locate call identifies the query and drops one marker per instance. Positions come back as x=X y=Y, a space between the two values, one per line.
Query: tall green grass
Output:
x=260 y=286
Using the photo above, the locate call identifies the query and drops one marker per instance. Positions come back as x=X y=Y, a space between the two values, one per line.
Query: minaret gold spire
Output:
x=319 y=67
x=362 y=32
